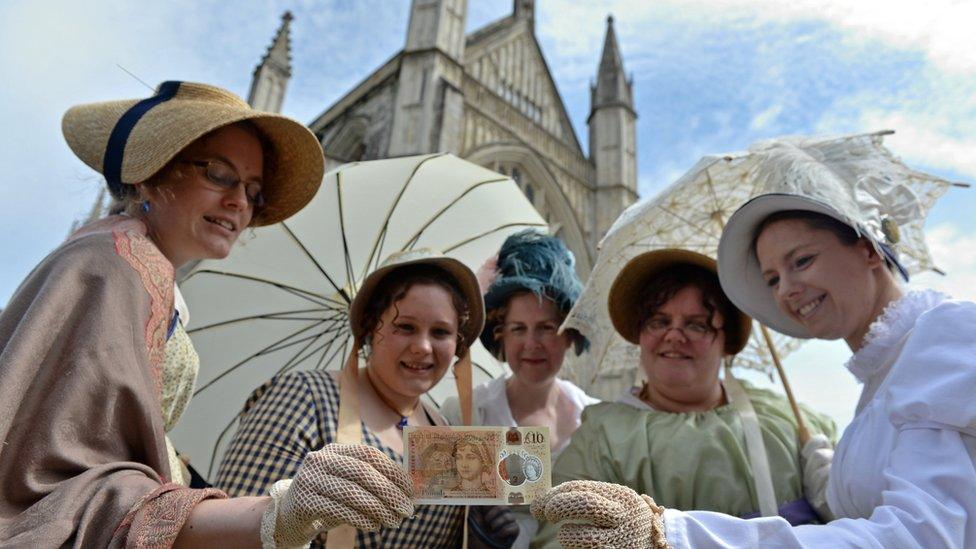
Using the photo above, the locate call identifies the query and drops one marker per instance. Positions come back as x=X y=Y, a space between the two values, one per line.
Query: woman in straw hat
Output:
x=686 y=436
x=529 y=287
x=816 y=257
x=95 y=365
x=412 y=316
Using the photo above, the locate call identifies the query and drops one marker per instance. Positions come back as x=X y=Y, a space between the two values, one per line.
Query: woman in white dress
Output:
x=816 y=259
x=528 y=292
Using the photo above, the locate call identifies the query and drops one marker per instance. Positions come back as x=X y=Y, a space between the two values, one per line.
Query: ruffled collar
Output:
x=889 y=328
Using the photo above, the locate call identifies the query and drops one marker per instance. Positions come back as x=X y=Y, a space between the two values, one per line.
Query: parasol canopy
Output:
x=691 y=214
x=280 y=301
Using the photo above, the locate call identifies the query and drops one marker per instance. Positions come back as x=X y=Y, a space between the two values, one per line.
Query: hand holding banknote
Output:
x=603 y=515
x=339 y=484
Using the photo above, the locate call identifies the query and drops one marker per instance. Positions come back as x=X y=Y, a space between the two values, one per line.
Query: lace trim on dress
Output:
x=897 y=318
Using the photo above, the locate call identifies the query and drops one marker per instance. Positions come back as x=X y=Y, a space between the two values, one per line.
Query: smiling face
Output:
x=190 y=218
x=533 y=347
x=829 y=287
x=682 y=365
x=414 y=342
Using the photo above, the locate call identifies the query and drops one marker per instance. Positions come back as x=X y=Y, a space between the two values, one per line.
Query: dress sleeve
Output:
x=930 y=476
x=928 y=502
x=278 y=426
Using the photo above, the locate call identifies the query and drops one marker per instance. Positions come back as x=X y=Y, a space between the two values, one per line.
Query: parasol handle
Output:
x=801 y=427
x=348 y=431
x=462 y=378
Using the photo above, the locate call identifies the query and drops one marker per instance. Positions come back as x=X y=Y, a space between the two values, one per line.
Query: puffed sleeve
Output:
x=930 y=478
x=934 y=380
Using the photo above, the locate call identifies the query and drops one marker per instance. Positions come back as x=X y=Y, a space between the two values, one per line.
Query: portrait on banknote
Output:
x=477 y=465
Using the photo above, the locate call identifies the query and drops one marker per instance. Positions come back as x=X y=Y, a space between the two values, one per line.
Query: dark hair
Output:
x=813 y=220
x=663 y=286
x=395 y=286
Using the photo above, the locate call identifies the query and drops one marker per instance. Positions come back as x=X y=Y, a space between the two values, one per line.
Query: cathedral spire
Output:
x=612 y=85
x=272 y=74
x=613 y=135
x=524 y=9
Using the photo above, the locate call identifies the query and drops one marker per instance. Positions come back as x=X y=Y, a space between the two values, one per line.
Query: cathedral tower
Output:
x=271 y=75
x=613 y=141
x=429 y=106
x=525 y=9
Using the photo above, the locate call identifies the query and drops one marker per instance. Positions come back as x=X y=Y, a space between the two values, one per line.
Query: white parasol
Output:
x=691 y=214
x=280 y=301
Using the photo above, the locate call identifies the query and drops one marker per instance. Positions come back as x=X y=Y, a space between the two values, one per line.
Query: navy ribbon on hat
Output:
x=114 y=151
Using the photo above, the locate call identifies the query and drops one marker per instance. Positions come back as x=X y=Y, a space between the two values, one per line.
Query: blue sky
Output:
x=709 y=77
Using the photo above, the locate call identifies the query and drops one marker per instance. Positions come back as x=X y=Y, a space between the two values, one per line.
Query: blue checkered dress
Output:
x=294 y=414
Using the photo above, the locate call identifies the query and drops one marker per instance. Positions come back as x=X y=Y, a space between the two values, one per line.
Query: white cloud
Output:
x=952 y=251
x=762 y=120
x=921 y=138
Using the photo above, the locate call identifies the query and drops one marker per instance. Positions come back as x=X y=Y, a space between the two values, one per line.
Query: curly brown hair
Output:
x=394 y=287
x=663 y=286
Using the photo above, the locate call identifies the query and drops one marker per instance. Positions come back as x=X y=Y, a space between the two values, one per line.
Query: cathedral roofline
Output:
x=384 y=71
x=508 y=23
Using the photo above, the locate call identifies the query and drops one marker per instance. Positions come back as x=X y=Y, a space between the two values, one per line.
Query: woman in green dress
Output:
x=682 y=436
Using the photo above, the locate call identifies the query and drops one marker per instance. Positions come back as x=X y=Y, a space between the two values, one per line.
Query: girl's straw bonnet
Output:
x=624 y=301
x=462 y=275
x=128 y=141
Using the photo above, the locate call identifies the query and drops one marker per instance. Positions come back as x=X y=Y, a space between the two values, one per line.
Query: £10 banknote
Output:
x=477 y=465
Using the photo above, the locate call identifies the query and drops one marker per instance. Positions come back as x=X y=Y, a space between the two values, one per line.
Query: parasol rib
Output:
x=467 y=241
x=377 y=251
x=267 y=316
x=298 y=292
x=311 y=258
x=416 y=236
x=253 y=356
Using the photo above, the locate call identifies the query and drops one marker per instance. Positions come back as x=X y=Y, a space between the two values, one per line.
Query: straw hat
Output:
x=625 y=294
x=534 y=262
x=128 y=141
x=800 y=176
x=462 y=275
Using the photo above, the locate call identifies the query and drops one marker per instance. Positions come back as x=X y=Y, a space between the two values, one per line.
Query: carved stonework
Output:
x=490 y=97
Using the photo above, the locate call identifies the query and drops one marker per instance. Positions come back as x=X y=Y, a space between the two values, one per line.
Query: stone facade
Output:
x=488 y=97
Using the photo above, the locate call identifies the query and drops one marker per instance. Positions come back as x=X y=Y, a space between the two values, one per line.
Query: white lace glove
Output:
x=612 y=515
x=339 y=484
x=816 y=456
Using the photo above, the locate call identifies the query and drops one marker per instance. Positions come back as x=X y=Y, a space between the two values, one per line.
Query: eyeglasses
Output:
x=223 y=177
x=692 y=330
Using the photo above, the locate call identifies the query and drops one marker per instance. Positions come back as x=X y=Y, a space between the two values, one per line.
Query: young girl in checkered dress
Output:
x=417 y=318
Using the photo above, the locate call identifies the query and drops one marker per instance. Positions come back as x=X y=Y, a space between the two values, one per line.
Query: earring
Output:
x=144 y=206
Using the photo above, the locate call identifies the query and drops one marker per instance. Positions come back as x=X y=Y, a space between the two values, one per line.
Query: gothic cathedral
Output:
x=488 y=97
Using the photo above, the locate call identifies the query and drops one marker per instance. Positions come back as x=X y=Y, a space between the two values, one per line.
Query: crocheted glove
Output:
x=816 y=456
x=612 y=515
x=339 y=484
